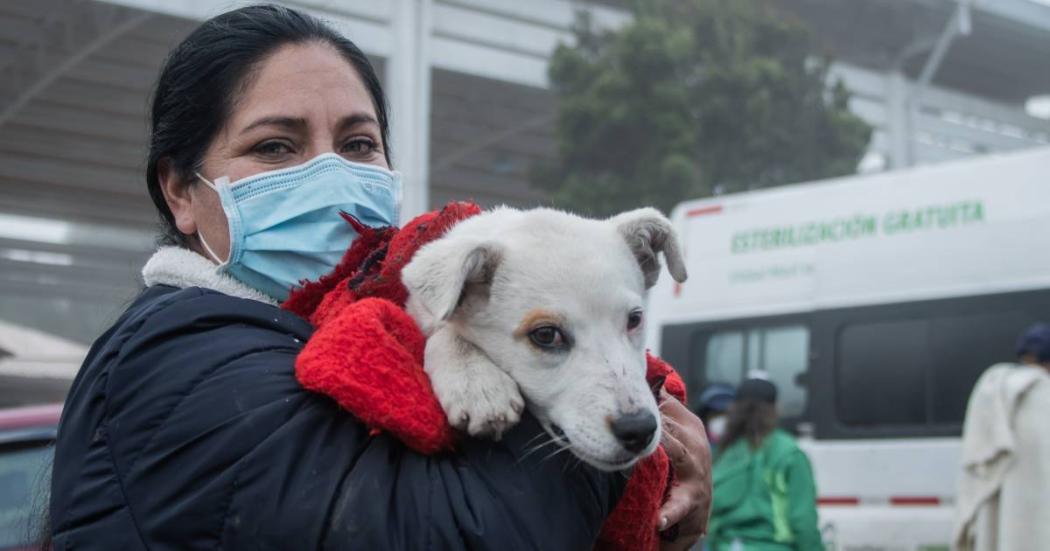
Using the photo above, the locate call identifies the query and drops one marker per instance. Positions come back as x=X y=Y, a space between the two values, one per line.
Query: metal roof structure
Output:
x=76 y=223
x=471 y=112
x=1004 y=58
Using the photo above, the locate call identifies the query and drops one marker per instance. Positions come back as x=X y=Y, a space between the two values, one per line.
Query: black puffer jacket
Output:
x=186 y=429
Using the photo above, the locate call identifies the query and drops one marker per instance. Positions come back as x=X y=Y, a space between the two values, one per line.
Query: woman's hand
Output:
x=688 y=506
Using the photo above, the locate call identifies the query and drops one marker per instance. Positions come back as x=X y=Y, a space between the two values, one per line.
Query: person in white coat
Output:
x=1003 y=502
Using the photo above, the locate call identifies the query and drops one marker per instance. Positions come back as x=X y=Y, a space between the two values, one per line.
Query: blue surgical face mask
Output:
x=285 y=225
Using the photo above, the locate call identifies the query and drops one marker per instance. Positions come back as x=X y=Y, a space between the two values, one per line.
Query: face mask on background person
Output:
x=716 y=428
x=286 y=224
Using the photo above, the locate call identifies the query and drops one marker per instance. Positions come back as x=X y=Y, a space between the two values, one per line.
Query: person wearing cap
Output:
x=764 y=495
x=714 y=411
x=1005 y=476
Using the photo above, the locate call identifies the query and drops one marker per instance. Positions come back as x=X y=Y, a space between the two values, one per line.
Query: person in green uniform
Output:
x=764 y=495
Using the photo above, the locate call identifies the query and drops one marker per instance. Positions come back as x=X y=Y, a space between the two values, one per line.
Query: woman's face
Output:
x=302 y=101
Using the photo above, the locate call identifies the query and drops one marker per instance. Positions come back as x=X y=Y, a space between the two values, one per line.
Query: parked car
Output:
x=27 y=436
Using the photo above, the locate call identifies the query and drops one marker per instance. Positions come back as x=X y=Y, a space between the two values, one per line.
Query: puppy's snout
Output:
x=634 y=430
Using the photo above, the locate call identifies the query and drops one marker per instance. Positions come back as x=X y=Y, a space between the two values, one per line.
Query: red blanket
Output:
x=367 y=354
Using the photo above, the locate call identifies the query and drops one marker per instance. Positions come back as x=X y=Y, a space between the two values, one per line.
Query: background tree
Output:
x=692 y=97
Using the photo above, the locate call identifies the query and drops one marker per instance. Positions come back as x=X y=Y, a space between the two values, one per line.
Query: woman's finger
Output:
x=685 y=442
x=687 y=425
x=674 y=447
x=676 y=507
x=688 y=441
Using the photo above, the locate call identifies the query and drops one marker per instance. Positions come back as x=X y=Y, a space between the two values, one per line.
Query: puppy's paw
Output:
x=478 y=397
x=482 y=402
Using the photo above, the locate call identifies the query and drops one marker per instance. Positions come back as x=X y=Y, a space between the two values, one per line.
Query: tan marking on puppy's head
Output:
x=537 y=318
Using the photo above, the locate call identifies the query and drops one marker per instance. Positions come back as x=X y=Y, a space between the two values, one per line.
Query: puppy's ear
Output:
x=647 y=233
x=438 y=273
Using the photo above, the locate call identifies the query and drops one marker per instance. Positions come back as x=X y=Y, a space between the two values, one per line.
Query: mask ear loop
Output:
x=200 y=235
x=399 y=196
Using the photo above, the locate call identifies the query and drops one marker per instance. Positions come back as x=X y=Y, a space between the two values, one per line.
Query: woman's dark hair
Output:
x=205 y=74
x=750 y=419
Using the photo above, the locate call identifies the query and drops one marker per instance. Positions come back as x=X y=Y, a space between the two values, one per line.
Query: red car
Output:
x=27 y=437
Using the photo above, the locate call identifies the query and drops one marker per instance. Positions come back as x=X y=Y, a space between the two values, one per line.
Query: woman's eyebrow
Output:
x=299 y=123
x=290 y=123
x=355 y=119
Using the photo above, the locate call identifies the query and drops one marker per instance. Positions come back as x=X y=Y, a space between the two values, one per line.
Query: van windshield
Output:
x=25 y=477
x=782 y=352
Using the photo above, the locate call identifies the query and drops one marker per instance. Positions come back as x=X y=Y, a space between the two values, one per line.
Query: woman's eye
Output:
x=634 y=319
x=547 y=337
x=272 y=149
x=360 y=146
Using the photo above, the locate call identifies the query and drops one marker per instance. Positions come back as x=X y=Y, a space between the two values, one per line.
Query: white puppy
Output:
x=544 y=308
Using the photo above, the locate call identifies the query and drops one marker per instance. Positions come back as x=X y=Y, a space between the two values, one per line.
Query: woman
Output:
x=765 y=496
x=186 y=428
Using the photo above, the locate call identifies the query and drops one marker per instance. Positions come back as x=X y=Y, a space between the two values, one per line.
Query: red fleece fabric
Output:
x=367 y=354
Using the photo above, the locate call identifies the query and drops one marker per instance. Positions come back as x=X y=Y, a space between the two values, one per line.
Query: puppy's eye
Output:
x=547 y=336
x=634 y=319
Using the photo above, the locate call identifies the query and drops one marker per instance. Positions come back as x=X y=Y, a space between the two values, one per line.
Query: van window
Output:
x=785 y=354
x=881 y=373
x=781 y=351
x=919 y=371
x=962 y=348
x=724 y=358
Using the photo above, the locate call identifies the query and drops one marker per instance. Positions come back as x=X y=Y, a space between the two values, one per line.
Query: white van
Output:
x=874 y=302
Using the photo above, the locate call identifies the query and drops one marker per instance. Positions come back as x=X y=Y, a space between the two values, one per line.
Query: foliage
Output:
x=691 y=98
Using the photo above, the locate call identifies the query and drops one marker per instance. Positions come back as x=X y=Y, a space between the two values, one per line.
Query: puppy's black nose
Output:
x=634 y=430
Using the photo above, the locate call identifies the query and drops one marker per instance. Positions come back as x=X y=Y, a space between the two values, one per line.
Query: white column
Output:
x=408 y=90
x=898 y=123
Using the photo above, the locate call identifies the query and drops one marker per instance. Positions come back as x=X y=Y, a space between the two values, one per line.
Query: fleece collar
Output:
x=184 y=268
